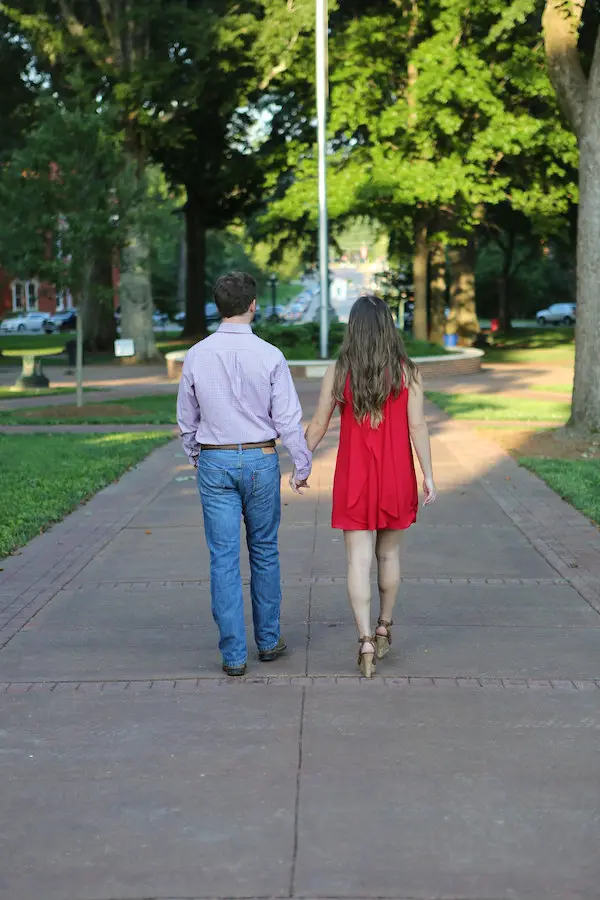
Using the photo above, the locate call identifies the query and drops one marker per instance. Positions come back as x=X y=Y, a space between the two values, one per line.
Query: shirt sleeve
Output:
x=188 y=414
x=286 y=414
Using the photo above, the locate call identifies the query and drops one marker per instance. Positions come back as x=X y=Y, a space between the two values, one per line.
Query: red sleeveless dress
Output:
x=375 y=485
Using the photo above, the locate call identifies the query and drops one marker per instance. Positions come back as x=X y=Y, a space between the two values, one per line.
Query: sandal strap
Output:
x=385 y=623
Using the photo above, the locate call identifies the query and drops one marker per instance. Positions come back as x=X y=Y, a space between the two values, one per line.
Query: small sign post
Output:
x=124 y=347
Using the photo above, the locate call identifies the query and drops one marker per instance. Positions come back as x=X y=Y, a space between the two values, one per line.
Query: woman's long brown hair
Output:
x=374 y=355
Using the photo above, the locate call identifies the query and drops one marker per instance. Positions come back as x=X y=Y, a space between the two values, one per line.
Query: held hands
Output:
x=296 y=485
x=430 y=491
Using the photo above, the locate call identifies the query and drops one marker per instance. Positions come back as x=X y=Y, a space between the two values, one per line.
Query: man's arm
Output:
x=286 y=413
x=188 y=414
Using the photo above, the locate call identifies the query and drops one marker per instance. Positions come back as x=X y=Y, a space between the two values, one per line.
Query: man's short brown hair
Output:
x=234 y=293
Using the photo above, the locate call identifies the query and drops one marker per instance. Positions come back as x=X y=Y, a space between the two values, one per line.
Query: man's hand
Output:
x=298 y=485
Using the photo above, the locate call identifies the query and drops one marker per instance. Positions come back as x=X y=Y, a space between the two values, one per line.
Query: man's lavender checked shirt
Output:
x=237 y=389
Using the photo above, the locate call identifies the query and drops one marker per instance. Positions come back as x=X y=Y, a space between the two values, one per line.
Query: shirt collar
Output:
x=228 y=328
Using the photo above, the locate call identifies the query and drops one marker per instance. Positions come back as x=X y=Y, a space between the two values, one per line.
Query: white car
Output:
x=557 y=314
x=31 y=321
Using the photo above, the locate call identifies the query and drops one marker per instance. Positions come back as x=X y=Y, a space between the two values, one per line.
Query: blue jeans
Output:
x=232 y=484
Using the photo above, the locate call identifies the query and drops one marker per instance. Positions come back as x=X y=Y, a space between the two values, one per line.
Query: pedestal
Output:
x=32 y=373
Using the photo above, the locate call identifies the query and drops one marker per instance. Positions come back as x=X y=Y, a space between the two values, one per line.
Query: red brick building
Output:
x=32 y=295
x=17 y=295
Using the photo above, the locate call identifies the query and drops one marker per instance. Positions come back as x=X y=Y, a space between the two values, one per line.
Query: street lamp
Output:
x=273 y=283
x=321 y=73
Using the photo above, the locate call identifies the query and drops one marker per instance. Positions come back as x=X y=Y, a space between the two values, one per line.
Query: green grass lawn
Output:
x=151 y=409
x=33 y=341
x=576 y=480
x=534 y=345
x=44 y=477
x=500 y=407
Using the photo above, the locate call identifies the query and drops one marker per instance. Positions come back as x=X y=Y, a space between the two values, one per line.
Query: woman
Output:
x=380 y=395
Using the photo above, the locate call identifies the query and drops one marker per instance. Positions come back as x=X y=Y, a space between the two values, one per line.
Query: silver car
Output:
x=31 y=321
x=557 y=314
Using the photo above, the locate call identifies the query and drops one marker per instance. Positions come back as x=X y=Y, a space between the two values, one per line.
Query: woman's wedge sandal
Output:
x=366 y=658
x=383 y=641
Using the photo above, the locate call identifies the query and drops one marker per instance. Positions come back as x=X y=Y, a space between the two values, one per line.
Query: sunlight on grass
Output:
x=551 y=388
x=500 y=407
x=12 y=393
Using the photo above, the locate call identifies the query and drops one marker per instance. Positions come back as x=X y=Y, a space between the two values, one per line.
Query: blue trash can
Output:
x=450 y=340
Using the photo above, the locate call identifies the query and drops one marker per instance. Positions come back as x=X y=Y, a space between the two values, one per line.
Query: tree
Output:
x=222 y=143
x=575 y=75
x=118 y=50
x=18 y=95
x=439 y=111
x=67 y=199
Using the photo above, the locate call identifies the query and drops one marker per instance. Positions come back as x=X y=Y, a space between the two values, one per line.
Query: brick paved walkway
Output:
x=467 y=769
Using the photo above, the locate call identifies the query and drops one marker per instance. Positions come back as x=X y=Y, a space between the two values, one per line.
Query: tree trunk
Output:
x=560 y=23
x=437 y=287
x=585 y=412
x=504 y=315
x=463 y=311
x=182 y=271
x=99 y=326
x=195 y=320
x=136 y=298
x=420 y=280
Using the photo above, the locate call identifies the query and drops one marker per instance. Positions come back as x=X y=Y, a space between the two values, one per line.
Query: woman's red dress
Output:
x=375 y=485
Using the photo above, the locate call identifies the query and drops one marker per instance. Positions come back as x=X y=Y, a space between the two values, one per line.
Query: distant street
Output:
x=357 y=284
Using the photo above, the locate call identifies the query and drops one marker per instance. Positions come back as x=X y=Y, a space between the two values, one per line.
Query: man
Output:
x=236 y=396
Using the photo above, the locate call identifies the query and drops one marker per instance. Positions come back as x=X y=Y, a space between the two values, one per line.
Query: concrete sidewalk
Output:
x=469 y=768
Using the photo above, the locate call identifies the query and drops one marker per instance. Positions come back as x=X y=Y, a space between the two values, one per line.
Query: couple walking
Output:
x=236 y=397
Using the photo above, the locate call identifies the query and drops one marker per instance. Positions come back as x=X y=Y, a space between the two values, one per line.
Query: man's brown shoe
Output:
x=271 y=655
x=234 y=671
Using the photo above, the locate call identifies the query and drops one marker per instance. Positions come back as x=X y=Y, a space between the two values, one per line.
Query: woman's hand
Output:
x=429 y=490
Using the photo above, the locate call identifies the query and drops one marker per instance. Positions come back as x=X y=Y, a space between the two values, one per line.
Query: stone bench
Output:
x=464 y=361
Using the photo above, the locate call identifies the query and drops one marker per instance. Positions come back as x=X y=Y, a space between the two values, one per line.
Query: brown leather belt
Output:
x=259 y=446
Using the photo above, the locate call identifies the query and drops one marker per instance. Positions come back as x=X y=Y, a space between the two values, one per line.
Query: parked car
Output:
x=275 y=314
x=159 y=319
x=31 y=321
x=295 y=311
x=409 y=315
x=61 y=321
x=557 y=314
x=212 y=315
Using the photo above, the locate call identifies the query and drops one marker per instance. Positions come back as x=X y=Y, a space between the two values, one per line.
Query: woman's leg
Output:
x=387 y=551
x=359 y=548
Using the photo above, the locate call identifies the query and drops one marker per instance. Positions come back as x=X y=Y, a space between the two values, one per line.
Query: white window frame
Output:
x=25 y=290
x=64 y=301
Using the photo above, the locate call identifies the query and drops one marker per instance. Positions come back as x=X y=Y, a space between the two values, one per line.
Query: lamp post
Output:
x=273 y=283
x=321 y=80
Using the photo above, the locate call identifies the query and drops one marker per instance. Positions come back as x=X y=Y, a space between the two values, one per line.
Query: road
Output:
x=357 y=283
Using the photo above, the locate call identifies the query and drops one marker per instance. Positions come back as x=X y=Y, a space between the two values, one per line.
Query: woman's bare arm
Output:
x=419 y=435
x=319 y=424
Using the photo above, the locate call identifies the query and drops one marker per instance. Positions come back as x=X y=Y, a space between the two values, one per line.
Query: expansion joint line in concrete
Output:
x=297 y=799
